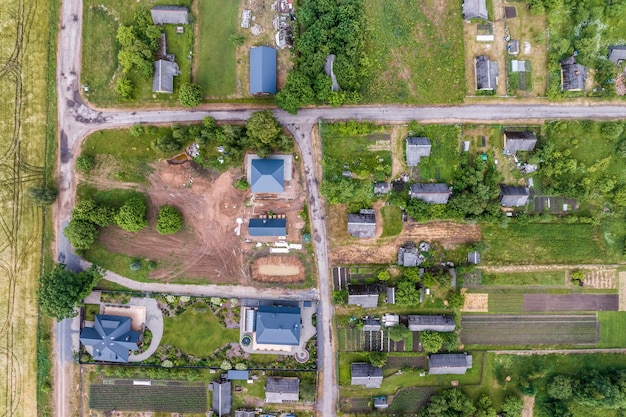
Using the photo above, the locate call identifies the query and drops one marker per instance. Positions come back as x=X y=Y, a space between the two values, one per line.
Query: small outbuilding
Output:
x=380 y=403
x=513 y=47
x=282 y=390
x=431 y=193
x=449 y=364
x=363 y=373
x=267 y=227
x=371 y=324
x=486 y=73
x=573 y=75
x=416 y=148
x=473 y=258
x=514 y=141
x=381 y=188
x=363 y=224
x=511 y=196
x=475 y=9
x=363 y=295
x=420 y=323
x=617 y=54
x=222 y=397
x=262 y=70
x=237 y=375
x=172 y=15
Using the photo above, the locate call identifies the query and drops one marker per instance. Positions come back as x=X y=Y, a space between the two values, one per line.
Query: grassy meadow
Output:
x=392 y=221
x=445 y=155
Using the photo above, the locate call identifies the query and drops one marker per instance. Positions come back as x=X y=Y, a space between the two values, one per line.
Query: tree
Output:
x=456 y=299
x=169 y=221
x=296 y=92
x=124 y=88
x=432 y=342
x=85 y=163
x=399 y=332
x=42 y=196
x=61 y=290
x=513 y=406
x=560 y=387
x=132 y=215
x=449 y=403
x=611 y=130
x=619 y=196
x=263 y=129
x=190 y=95
x=485 y=407
x=412 y=274
x=378 y=359
x=81 y=234
x=86 y=209
x=407 y=294
x=166 y=144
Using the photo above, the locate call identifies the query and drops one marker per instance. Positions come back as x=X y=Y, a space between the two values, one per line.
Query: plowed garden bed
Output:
x=181 y=398
x=278 y=268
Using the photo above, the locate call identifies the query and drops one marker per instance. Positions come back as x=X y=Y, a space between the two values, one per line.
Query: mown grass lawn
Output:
x=197 y=331
x=445 y=154
x=612 y=329
x=416 y=52
x=524 y=278
x=392 y=221
x=115 y=262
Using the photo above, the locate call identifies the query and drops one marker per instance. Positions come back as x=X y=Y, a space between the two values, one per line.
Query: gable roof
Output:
x=363 y=373
x=573 y=75
x=278 y=326
x=245 y=413
x=617 y=53
x=473 y=257
x=262 y=70
x=267 y=227
x=365 y=296
x=362 y=225
x=519 y=141
x=163 y=77
x=382 y=188
x=416 y=148
x=170 y=14
x=449 y=363
x=279 y=390
x=236 y=375
x=431 y=193
x=222 y=397
x=268 y=175
x=486 y=73
x=418 y=323
x=511 y=196
x=371 y=324
x=475 y=9
x=111 y=338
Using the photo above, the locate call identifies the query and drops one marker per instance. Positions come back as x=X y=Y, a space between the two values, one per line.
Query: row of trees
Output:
x=454 y=403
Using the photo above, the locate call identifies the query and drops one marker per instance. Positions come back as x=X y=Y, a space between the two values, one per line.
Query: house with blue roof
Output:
x=267 y=227
x=278 y=326
x=110 y=338
x=267 y=175
x=262 y=70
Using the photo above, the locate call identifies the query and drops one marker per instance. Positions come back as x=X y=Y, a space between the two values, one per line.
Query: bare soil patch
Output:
x=475 y=303
x=571 y=302
x=137 y=314
x=278 y=268
x=529 y=405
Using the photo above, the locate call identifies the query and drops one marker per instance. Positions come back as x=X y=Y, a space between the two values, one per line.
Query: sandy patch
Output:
x=278 y=268
x=137 y=314
x=475 y=303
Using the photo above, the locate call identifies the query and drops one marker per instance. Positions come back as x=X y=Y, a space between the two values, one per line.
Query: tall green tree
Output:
x=132 y=215
x=42 y=196
x=449 y=403
x=81 y=234
x=169 y=221
x=432 y=342
x=399 y=332
x=190 y=95
x=378 y=359
x=263 y=129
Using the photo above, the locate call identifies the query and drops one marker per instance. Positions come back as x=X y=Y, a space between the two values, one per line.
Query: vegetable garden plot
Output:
x=181 y=399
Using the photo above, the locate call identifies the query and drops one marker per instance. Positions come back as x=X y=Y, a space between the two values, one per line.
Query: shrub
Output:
x=241 y=184
x=124 y=89
x=378 y=359
x=169 y=221
x=136 y=131
x=226 y=366
x=135 y=265
x=85 y=163
x=241 y=366
x=152 y=265
x=42 y=196
x=167 y=363
x=432 y=342
x=132 y=215
x=190 y=95
x=166 y=144
x=81 y=234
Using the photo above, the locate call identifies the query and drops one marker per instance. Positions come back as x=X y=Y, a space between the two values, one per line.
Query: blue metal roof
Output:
x=262 y=70
x=111 y=338
x=268 y=175
x=278 y=326
x=235 y=375
x=267 y=227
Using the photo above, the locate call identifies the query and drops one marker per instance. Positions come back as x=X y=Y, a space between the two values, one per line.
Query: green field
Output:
x=445 y=154
x=175 y=397
x=392 y=221
x=115 y=197
x=415 y=49
x=214 y=59
x=189 y=331
x=115 y=262
x=556 y=278
x=612 y=329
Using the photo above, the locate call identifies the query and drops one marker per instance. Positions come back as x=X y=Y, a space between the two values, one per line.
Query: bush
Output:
x=81 y=234
x=85 y=163
x=226 y=366
x=152 y=265
x=378 y=359
x=190 y=95
x=124 y=89
x=241 y=184
x=432 y=342
x=42 y=196
x=132 y=215
x=169 y=221
x=135 y=265
x=166 y=144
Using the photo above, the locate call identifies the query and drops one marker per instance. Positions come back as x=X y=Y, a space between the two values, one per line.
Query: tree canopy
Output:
x=132 y=215
x=81 y=234
x=432 y=342
x=449 y=403
x=190 y=95
x=42 y=196
x=169 y=221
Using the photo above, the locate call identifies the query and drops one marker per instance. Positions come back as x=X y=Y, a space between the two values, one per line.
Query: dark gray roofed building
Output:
x=513 y=47
x=475 y=9
x=267 y=227
x=449 y=364
x=173 y=15
x=363 y=373
x=416 y=148
x=382 y=188
x=222 y=397
x=431 y=323
x=371 y=324
x=163 y=78
x=268 y=175
x=573 y=75
x=278 y=326
x=617 y=54
x=486 y=73
x=473 y=257
x=431 y=193
x=110 y=338
x=262 y=70
x=513 y=196
x=245 y=413
x=282 y=390
x=519 y=141
x=380 y=403
x=365 y=296
x=362 y=225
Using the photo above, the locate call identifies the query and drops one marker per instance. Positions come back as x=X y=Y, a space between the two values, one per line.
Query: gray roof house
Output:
x=573 y=75
x=173 y=15
x=363 y=373
x=416 y=148
x=282 y=390
x=486 y=73
x=362 y=225
x=408 y=255
x=431 y=193
x=382 y=188
x=519 y=141
x=268 y=175
x=473 y=257
x=511 y=196
x=371 y=324
x=236 y=375
x=262 y=70
x=475 y=9
x=419 y=323
x=163 y=77
x=365 y=296
x=222 y=397
x=278 y=326
x=617 y=54
x=245 y=413
x=110 y=338
x=449 y=364
x=267 y=227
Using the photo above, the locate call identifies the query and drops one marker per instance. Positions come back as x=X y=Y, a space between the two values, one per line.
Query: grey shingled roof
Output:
x=519 y=141
x=267 y=227
x=371 y=324
x=245 y=413
x=170 y=14
x=617 y=53
x=473 y=257
x=111 y=338
x=280 y=390
x=416 y=148
x=382 y=188
x=431 y=193
x=511 y=196
x=475 y=9
x=486 y=73
x=262 y=70
x=268 y=175
x=573 y=75
x=419 y=323
x=362 y=225
x=278 y=326
x=222 y=397
x=365 y=296
x=452 y=363
x=363 y=373
x=163 y=77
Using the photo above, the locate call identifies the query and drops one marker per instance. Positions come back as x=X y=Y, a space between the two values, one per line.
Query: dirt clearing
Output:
x=475 y=303
x=571 y=302
x=278 y=268
x=137 y=314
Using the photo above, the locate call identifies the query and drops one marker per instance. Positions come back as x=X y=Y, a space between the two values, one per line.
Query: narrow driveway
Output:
x=154 y=322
